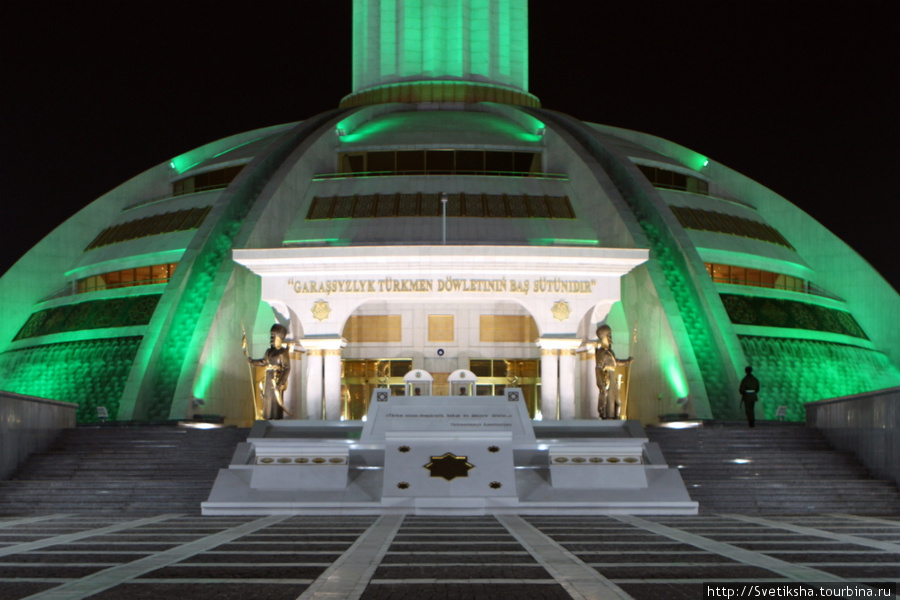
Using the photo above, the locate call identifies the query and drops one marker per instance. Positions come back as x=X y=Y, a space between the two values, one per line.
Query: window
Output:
x=706 y=220
x=671 y=180
x=181 y=220
x=211 y=180
x=731 y=274
x=439 y=162
x=150 y=275
x=420 y=204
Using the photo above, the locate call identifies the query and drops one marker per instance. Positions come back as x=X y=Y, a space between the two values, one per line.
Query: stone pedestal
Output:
x=458 y=455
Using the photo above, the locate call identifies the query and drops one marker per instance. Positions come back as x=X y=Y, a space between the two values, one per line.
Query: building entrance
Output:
x=360 y=377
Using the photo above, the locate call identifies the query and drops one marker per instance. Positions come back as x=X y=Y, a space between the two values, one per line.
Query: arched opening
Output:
x=385 y=340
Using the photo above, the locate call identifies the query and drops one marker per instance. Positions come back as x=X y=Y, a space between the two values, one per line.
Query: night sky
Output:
x=799 y=95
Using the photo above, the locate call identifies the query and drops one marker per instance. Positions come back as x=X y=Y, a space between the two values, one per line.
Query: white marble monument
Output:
x=459 y=455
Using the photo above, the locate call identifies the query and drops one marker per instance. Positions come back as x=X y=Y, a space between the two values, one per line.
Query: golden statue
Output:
x=277 y=363
x=608 y=404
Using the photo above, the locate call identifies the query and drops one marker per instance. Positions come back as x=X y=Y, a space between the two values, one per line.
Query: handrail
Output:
x=71 y=288
x=154 y=199
x=809 y=288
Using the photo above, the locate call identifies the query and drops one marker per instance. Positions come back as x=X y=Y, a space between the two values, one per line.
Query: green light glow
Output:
x=455 y=39
x=411 y=30
x=90 y=373
x=314 y=241
x=678 y=277
x=693 y=160
x=816 y=370
x=562 y=241
x=184 y=163
x=504 y=45
x=430 y=122
x=676 y=378
x=388 y=41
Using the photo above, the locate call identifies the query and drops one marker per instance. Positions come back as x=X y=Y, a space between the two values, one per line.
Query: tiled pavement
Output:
x=179 y=556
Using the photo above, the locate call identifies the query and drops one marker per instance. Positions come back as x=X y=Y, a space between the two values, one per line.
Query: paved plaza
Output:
x=283 y=557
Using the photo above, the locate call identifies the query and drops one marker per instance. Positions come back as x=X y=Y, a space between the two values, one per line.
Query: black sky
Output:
x=799 y=95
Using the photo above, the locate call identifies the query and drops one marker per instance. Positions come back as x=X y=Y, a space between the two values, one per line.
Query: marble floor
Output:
x=283 y=557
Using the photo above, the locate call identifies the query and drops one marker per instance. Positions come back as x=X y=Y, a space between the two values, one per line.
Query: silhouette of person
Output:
x=277 y=362
x=749 y=395
x=608 y=403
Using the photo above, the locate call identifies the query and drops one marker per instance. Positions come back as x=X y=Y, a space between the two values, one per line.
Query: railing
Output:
x=441 y=172
x=29 y=425
x=866 y=424
x=71 y=289
x=809 y=288
x=154 y=199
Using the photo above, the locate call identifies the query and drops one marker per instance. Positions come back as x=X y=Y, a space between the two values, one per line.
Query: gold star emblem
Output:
x=561 y=310
x=321 y=310
x=449 y=466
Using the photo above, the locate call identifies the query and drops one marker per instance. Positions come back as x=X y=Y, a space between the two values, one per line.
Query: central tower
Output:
x=440 y=51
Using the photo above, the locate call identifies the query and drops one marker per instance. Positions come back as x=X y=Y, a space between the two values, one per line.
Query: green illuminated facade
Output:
x=139 y=301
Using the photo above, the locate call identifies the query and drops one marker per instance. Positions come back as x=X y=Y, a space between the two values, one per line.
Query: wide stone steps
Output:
x=112 y=469
x=772 y=468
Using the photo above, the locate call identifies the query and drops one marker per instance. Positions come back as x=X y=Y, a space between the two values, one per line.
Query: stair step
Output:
x=793 y=469
x=143 y=469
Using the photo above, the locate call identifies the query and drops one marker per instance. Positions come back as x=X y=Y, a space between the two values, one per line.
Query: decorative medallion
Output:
x=493 y=449
x=512 y=396
x=321 y=310
x=561 y=310
x=403 y=485
x=381 y=397
x=403 y=448
x=449 y=466
x=495 y=485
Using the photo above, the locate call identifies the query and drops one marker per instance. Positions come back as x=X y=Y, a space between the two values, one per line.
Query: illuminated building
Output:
x=136 y=303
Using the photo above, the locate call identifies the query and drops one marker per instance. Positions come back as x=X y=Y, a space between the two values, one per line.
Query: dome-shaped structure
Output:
x=441 y=220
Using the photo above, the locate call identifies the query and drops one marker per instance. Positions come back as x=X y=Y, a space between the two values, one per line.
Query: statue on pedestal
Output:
x=608 y=403
x=277 y=362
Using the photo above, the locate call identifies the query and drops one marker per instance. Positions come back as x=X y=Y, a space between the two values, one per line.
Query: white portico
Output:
x=566 y=290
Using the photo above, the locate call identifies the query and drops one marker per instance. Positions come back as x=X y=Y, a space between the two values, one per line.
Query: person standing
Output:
x=749 y=395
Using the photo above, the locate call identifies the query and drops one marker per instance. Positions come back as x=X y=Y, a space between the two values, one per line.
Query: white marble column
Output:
x=323 y=372
x=567 y=383
x=332 y=384
x=314 y=384
x=549 y=383
x=589 y=397
x=293 y=394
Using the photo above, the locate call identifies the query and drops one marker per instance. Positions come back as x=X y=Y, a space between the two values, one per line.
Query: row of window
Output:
x=126 y=278
x=755 y=277
x=439 y=162
x=211 y=180
x=670 y=180
x=180 y=220
x=707 y=220
x=502 y=206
